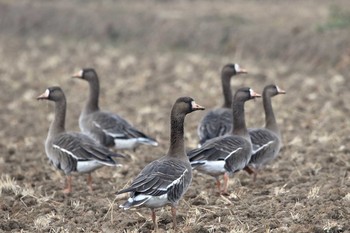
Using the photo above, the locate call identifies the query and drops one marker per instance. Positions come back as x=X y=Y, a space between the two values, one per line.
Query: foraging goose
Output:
x=268 y=137
x=231 y=152
x=165 y=181
x=107 y=128
x=72 y=151
x=218 y=121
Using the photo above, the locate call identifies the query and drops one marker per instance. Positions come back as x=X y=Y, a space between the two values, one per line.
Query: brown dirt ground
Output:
x=147 y=54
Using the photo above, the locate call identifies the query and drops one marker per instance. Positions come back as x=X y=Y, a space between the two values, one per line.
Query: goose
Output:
x=218 y=121
x=109 y=129
x=72 y=151
x=230 y=153
x=268 y=137
x=165 y=180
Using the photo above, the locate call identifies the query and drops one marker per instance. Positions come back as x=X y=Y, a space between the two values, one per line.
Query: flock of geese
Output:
x=226 y=145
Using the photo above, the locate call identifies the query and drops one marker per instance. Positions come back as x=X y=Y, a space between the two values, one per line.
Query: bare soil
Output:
x=148 y=53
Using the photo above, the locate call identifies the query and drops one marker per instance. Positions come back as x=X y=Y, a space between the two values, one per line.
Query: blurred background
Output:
x=313 y=33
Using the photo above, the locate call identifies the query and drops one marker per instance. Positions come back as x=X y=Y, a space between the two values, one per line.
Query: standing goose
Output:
x=165 y=181
x=268 y=137
x=72 y=151
x=107 y=128
x=229 y=153
x=218 y=121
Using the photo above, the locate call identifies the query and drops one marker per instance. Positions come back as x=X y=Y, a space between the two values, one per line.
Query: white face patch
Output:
x=196 y=106
x=278 y=89
x=193 y=104
x=252 y=93
x=237 y=68
x=81 y=73
x=47 y=93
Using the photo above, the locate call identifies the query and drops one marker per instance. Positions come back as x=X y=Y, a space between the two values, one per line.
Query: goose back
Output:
x=107 y=128
x=234 y=149
x=67 y=150
x=218 y=121
x=164 y=181
x=268 y=138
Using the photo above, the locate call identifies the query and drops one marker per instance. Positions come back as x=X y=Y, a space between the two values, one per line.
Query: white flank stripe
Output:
x=177 y=180
x=263 y=146
x=65 y=151
x=240 y=148
x=89 y=160
x=107 y=132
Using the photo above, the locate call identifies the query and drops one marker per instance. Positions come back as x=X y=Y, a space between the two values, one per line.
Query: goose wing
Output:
x=82 y=148
x=265 y=145
x=115 y=126
x=216 y=123
x=158 y=178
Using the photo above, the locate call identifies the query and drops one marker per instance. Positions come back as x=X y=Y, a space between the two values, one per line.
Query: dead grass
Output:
x=280 y=190
x=43 y=222
x=9 y=184
x=347 y=197
x=313 y=193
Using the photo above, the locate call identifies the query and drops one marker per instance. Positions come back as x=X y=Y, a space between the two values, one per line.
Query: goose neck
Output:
x=58 y=123
x=177 y=145
x=270 y=120
x=92 y=103
x=226 y=89
x=240 y=127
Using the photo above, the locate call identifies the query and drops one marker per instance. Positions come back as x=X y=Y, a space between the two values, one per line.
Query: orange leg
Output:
x=68 y=188
x=218 y=184
x=251 y=171
x=226 y=178
x=255 y=175
x=173 y=212
x=89 y=181
x=154 y=220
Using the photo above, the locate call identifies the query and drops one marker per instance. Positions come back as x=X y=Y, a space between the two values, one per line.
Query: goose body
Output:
x=230 y=153
x=159 y=183
x=76 y=152
x=107 y=128
x=269 y=137
x=113 y=131
x=261 y=138
x=218 y=121
x=165 y=181
x=71 y=151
